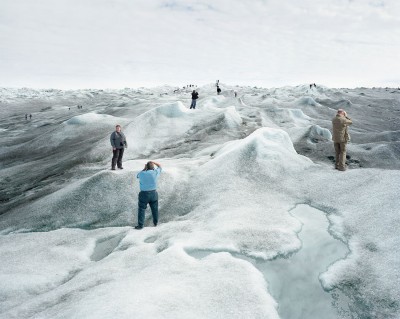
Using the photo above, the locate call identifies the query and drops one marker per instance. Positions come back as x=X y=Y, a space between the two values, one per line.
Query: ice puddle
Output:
x=294 y=281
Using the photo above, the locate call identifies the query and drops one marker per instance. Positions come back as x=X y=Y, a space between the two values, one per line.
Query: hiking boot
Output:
x=138 y=227
x=120 y=167
x=113 y=168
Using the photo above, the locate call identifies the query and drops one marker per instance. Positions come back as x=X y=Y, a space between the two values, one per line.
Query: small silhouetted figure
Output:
x=26 y=116
x=315 y=85
x=30 y=116
x=218 y=90
x=234 y=92
x=195 y=96
x=310 y=86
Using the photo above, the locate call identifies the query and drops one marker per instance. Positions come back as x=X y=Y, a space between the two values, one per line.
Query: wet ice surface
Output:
x=293 y=280
x=233 y=171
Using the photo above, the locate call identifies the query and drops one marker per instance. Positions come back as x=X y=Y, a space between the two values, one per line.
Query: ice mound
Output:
x=290 y=117
x=379 y=155
x=129 y=276
x=268 y=148
x=306 y=101
x=172 y=110
x=316 y=133
x=232 y=118
x=171 y=124
x=235 y=198
x=212 y=101
x=154 y=129
x=90 y=118
x=25 y=276
x=342 y=104
x=101 y=200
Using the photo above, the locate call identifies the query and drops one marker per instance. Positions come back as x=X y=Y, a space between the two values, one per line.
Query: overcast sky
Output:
x=132 y=43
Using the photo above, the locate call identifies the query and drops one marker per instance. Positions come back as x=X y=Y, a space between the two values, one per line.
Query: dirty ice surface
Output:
x=234 y=169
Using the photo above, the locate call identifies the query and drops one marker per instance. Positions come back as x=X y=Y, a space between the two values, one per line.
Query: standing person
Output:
x=26 y=116
x=195 y=96
x=340 y=138
x=118 y=143
x=235 y=92
x=218 y=90
x=148 y=178
x=30 y=116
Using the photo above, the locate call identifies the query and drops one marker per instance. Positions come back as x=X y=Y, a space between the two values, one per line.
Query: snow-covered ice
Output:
x=234 y=170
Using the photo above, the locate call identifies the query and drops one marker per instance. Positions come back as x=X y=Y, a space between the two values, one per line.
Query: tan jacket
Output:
x=339 y=126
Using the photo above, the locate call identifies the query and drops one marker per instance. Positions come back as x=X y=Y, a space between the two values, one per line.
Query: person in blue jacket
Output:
x=148 y=178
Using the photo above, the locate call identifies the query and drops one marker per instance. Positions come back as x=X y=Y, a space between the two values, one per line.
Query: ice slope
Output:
x=234 y=168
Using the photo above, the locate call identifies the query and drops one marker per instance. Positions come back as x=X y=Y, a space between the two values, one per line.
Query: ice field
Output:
x=255 y=222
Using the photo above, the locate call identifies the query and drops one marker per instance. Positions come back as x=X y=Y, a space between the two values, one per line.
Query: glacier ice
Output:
x=233 y=170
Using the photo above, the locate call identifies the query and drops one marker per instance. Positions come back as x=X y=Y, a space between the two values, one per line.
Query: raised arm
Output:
x=157 y=164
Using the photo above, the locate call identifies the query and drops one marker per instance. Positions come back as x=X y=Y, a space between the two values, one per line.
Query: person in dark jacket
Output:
x=218 y=90
x=118 y=143
x=195 y=96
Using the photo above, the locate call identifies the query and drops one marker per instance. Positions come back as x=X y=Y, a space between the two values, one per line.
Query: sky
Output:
x=72 y=44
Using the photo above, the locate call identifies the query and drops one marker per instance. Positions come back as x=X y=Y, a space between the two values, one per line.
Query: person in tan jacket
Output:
x=340 y=138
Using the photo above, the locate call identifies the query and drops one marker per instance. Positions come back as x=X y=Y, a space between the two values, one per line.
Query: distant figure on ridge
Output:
x=30 y=116
x=26 y=116
x=340 y=138
x=118 y=143
x=315 y=85
x=148 y=178
x=195 y=96
x=235 y=93
x=218 y=90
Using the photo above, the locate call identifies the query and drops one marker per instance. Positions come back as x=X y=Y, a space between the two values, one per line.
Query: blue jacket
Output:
x=148 y=179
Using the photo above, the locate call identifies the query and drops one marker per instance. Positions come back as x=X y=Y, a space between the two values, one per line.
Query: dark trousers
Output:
x=151 y=198
x=193 y=105
x=117 y=157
